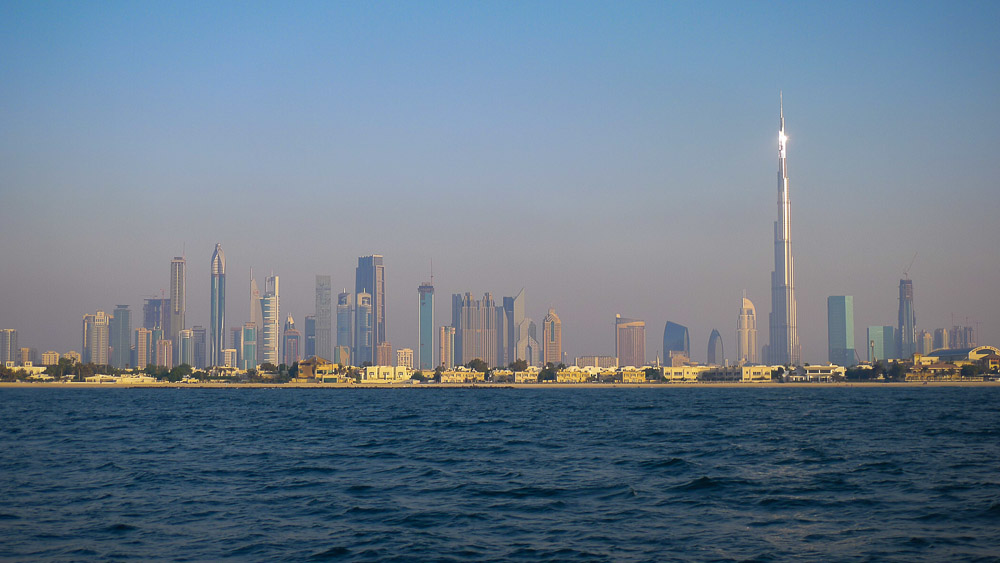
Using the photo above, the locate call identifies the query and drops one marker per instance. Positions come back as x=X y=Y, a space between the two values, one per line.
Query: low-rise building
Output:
x=463 y=375
x=633 y=375
x=738 y=374
x=572 y=375
x=683 y=373
x=385 y=374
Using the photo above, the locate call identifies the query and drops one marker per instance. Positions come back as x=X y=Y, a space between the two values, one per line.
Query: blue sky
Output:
x=608 y=157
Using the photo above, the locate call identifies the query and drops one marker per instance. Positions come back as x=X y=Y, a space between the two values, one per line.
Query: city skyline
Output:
x=597 y=166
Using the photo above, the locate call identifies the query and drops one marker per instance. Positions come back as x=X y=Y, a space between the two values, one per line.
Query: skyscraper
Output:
x=185 y=353
x=716 y=355
x=425 y=326
x=144 y=348
x=8 y=345
x=270 y=329
x=256 y=318
x=121 y=337
x=96 y=338
x=676 y=340
x=941 y=339
x=840 y=329
x=345 y=323
x=446 y=345
x=217 y=322
x=475 y=324
x=199 y=346
x=881 y=343
x=165 y=353
x=552 y=338
x=630 y=341
x=309 y=347
x=370 y=279
x=906 y=328
x=783 y=338
x=156 y=314
x=178 y=301
x=324 y=318
x=249 y=339
x=290 y=347
x=364 y=344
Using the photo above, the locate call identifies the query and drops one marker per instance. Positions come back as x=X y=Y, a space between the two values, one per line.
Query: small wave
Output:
x=120 y=528
x=9 y=517
x=661 y=463
x=699 y=484
x=332 y=553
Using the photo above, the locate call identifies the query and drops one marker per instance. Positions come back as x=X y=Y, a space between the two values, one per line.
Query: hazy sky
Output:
x=614 y=157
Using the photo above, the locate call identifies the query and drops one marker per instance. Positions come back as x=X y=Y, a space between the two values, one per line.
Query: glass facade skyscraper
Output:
x=178 y=300
x=425 y=321
x=716 y=354
x=677 y=340
x=309 y=334
x=906 y=328
x=121 y=337
x=881 y=343
x=783 y=342
x=840 y=329
x=364 y=343
x=345 y=330
x=217 y=322
x=370 y=279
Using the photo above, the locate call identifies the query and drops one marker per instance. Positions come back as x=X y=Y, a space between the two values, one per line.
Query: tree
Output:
x=437 y=374
x=268 y=367
x=548 y=373
x=478 y=364
x=293 y=371
x=418 y=376
x=969 y=370
x=518 y=365
x=179 y=372
x=896 y=372
x=653 y=374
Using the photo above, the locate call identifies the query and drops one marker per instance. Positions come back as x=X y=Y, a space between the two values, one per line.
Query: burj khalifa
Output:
x=783 y=340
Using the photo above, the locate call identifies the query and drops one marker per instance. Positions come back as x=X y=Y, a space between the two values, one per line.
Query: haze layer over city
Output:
x=608 y=158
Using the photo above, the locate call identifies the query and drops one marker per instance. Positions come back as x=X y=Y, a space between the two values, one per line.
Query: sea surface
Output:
x=820 y=474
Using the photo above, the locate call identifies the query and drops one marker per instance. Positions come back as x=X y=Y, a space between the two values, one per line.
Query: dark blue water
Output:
x=464 y=475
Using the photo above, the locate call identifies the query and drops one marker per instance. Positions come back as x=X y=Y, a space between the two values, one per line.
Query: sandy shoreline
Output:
x=24 y=385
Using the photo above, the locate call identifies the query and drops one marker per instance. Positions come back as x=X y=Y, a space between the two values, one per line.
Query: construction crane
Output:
x=906 y=272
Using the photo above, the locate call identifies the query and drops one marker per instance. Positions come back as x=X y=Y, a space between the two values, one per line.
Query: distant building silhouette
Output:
x=941 y=339
x=121 y=337
x=881 y=343
x=248 y=346
x=143 y=353
x=425 y=326
x=324 y=318
x=345 y=321
x=200 y=340
x=185 y=344
x=675 y=340
x=906 y=328
x=370 y=279
x=746 y=334
x=383 y=354
x=630 y=341
x=840 y=329
x=290 y=343
x=217 y=322
x=309 y=346
x=552 y=338
x=178 y=300
x=475 y=324
x=716 y=354
x=364 y=333
x=270 y=331
x=446 y=346
x=8 y=345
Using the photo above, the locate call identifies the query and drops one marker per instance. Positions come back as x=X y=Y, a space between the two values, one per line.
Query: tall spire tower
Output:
x=783 y=341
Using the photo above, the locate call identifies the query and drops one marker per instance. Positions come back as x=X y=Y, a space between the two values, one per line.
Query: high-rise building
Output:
x=324 y=318
x=716 y=354
x=364 y=337
x=229 y=358
x=383 y=354
x=165 y=353
x=143 y=351
x=676 y=341
x=49 y=358
x=881 y=343
x=178 y=299
x=248 y=352
x=96 y=338
x=185 y=339
x=342 y=355
x=73 y=356
x=962 y=337
x=941 y=339
x=425 y=325
x=121 y=337
x=630 y=341
x=199 y=347
x=370 y=279
x=290 y=347
x=446 y=347
x=783 y=337
x=345 y=324
x=156 y=314
x=217 y=323
x=404 y=357
x=8 y=345
x=309 y=346
x=906 y=328
x=475 y=328
x=603 y=362
x=840 y=329
x=270 y=329
x=552 y=338
x=925 y=342
x=519 y=333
